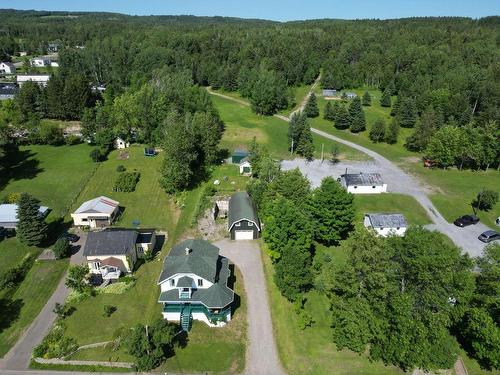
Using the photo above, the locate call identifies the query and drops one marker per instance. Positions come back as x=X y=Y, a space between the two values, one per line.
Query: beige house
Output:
x=96 y=213
x=111 y=253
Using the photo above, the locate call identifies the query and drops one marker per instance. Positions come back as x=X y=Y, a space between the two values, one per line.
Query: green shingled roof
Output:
x=201 y=259
x=242 y=207
x=185 y=282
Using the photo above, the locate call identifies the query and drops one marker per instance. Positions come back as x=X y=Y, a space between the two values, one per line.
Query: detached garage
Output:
x=243 y=222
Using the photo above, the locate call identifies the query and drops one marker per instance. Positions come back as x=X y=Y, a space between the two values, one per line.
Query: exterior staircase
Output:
x=186 y=318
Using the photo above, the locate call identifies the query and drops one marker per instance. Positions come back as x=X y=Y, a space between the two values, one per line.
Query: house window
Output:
x=96 y=265
x=172 y=282
x=238 y=224
x=397 y=228
x=200 y=282
x=250 y=224
x=373 y=187
x=85 y=219
x=355 y=187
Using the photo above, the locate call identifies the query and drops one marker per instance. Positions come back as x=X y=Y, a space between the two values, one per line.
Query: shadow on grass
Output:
x=20 y=165
x=11 y=309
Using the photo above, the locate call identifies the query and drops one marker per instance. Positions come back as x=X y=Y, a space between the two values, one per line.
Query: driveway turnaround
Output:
x=19 y=356
x=262 y=355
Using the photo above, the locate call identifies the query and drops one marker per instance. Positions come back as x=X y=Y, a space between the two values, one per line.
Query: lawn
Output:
x=454 y=190
x=12 y=253
x=242 y=125
x=28 y=300
x=391 y=203
x=148 y=204
x=311 y=351
x=54 y=175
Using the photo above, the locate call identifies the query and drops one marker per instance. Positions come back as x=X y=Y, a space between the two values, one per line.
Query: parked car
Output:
x=466 y=220
x=72 y=237
x=489 y=236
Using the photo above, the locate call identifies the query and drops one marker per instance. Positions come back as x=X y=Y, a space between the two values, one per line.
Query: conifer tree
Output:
x=407 y=113
x=305 y=146
x=385 y=101
x=357 y=121
x=367 y=99
x=342 y=120
x=392 y=132
x=31 y=228
x=377 y=132
x=294 y=129
x=329 y=112
x=311 y=108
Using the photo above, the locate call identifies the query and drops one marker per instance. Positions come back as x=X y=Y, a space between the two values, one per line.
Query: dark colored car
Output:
x=489 y=236
x=466 y=220
x=72 y=237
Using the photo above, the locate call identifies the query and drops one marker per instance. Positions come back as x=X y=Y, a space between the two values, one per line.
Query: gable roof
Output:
x=381 y=220
x=9 y=64
x=8 y=214
x=191 y=256
x=100 y=204
x=240 y=152
x=363 y=179
x=185 y=282
x=110 y=242
x=241 y=207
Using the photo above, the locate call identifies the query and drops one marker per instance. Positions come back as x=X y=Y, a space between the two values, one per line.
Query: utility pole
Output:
x=291 y=149
x=322 y=149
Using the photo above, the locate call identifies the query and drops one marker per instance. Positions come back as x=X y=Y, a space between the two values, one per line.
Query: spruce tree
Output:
x=311 y=108
x=377 y=132
x=294 y=129
x=385 y=101
x=342 y=120
x=407 y=113
x=392 y=132
x=367 y=99
x=395 y=107
x=391 y=88
x=305 y=145
x=31 y=228
x=329 y=112
x=427 y=125
x=357 y=121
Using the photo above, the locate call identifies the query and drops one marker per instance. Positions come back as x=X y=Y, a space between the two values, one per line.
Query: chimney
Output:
x=188 y=251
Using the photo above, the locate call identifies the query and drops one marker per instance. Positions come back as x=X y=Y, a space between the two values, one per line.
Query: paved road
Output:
x=19 y=357
x=262 y=355
x=400 y=181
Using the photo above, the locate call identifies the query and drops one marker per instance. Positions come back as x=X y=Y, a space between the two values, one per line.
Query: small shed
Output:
x=221 y=207
x=243 y=222
x=120 y=143
x=386 y=224
x=328 y=93
x=363 y=183
x=350 y=95
x=238 y=155
x=245 y=167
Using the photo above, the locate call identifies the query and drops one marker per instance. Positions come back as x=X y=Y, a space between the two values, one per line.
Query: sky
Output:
x=284 y=10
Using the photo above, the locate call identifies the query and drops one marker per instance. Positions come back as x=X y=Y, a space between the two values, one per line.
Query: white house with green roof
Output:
x=194 y=285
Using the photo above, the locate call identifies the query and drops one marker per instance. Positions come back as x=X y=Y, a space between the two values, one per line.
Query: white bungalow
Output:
x=40 y=62
x=41 y=79
x=245 y=167
x=96 y=213
x=120 y=143
x=194 y=285
x=386 y=224
x=363 y=183
x=7 y=68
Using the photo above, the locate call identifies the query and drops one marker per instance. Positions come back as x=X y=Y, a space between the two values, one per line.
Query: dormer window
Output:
x=172 y=282
x=250 y=224
x=200 y=282
x=237 y=224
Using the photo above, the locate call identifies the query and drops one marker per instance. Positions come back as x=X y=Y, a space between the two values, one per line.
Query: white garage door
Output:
x=243 y=235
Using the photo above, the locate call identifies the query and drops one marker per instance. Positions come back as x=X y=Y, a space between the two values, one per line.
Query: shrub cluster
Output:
x=127 y=181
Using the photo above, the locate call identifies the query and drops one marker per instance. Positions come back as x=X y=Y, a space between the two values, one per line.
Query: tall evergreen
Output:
x=329 y=112
x=377 y=132
x=54 y=97
x=407 y=113
x=391 y=135
x=305 y=145
x=367 y=99
x=342 y=119
x=311 y=109
x=357 y=121
x=426 y=126
x=31 y=228
x=385 y=101
x=294 y=128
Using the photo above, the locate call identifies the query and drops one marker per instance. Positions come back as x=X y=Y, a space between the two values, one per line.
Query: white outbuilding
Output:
x=363 y=183
x=40 y=62
x=7 y=68
x=96 y=213
x=121 y=143
x=245 y=167
x=41 y=79
x=386 y=224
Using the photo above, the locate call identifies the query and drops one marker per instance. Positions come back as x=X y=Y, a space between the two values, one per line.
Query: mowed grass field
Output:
x=391 y=203
x=148 y=204
x=54 y=175
x=242 y=125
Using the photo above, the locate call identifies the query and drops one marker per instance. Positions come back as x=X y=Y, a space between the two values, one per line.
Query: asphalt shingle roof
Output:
x=101 y=204
x=387 y=220
x=242 y=207
x=200 y=260
x=363 y=179
x=185 y=282
x=110 y=242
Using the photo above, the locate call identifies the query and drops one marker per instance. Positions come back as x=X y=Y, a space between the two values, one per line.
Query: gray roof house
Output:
x=243 y=222
x=8 y=215
x=194 y=284
x=386 y=224
x=8 y=91
x=363 y=183
x=114 y=251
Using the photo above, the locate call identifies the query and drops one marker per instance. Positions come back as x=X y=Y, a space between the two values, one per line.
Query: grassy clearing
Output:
x=311 y=351
x=459 y=188
x=39 y=284
x=391 y=203
x=242 y=125
x=149 y=204
x=52 y=174
x=12 y=253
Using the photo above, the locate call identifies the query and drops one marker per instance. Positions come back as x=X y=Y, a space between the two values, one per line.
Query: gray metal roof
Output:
x=191 y=256
x=110 y=242
x=8 y=215
x=219 y=295
x=381 y=220
x=8 y=89
x=363 y=179
x=101 y=205
x=241 y=207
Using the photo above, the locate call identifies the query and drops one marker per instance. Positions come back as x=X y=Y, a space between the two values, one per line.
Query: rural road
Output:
x=402 y=182
x=19 y=356
x=262 y=355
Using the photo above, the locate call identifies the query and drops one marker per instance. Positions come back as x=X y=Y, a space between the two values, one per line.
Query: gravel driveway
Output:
x=262 y=355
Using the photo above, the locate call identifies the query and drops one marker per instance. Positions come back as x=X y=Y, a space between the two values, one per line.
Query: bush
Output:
x=11 y=198
x=15 y=275
x=96 y=155
x=62 y=311
x=72 y=139
x=108 y=310
x=61 y=248
x=50 y=134
x=55 y=344
x=121 y=168
x=127 y=181
x=485 y=200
